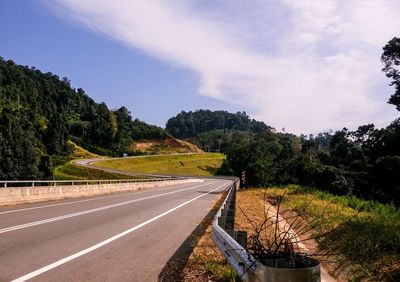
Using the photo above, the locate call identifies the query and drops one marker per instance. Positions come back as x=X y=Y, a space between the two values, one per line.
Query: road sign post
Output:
x=243 y=180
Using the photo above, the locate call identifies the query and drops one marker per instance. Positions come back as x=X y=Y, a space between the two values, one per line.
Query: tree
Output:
x=39 y=112
x=391 y=59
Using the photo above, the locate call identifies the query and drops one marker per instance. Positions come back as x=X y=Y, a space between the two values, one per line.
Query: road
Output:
x=117 y=237
x=90 y=164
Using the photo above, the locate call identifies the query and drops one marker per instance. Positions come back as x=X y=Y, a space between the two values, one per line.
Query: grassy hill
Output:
x=81 y=153
x=190 y=164
x=71 y=171
x=199 y=164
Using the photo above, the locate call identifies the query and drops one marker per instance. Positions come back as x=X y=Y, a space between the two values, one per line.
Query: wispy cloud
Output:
x=300 y=64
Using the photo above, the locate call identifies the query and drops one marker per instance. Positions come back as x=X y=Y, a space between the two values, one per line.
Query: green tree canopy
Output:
x=391 y=60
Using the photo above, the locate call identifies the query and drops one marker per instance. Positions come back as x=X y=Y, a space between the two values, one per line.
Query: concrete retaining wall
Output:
x=19 y=195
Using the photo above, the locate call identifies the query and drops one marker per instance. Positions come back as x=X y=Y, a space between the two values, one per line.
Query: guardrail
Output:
x=233 y=243
x=38 y=183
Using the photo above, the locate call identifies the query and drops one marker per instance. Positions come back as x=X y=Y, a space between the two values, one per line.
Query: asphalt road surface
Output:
x=116 y=237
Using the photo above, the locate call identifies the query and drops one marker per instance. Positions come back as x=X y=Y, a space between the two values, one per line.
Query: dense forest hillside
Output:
x=214 y=130
x=191 y=124
x=39 y=112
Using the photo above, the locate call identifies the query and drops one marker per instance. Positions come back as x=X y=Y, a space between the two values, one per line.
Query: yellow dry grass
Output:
x=81 y=153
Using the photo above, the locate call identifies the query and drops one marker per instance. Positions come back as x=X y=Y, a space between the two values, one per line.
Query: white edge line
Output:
x=105 y=242
x=61 y=217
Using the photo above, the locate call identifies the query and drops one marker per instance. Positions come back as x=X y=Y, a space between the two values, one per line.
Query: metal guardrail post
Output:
x=226 y=238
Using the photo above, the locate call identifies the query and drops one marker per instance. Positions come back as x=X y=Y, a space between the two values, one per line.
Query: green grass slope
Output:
x=193 y=164
x=70 y=171
x=81 y=153
x=369 y=243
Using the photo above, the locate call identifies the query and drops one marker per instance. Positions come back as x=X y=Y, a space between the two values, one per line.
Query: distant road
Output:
x=91 y=163
x=117 y=237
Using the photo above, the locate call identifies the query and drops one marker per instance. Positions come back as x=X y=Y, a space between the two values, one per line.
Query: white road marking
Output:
x=105 y=242
x=57 y=218
x=87 y=200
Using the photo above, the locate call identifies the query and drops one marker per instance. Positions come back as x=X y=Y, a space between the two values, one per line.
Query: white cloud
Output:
x=300 y=64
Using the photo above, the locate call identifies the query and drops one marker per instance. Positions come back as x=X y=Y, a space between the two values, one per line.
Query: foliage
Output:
x=364 y=163
x=220 y=140
x=191 y=124
x=39 y=112
x=80 y=153
x=391 y=60
x=142 y=131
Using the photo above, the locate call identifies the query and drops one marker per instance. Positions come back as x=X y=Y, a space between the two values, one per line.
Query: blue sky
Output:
x=304 y=65
x=32 y=34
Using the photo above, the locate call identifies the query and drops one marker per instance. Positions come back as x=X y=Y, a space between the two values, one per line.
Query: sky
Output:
x=303 y=65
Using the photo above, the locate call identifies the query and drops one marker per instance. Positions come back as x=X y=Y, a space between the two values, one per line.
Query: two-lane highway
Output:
x=117 y=237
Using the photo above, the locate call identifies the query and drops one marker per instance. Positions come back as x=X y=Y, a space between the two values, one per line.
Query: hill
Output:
x=190 y=124
x=39 y=113
x=214 y=130
x=179 y=164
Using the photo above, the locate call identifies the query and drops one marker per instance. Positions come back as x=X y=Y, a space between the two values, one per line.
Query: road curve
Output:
x=117 y=237
x=91 y=163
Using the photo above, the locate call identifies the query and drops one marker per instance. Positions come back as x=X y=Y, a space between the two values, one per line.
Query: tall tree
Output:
x=391 y=59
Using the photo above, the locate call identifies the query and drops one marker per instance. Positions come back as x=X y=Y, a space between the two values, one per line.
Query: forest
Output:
x=191 y=124
x=39 y=113
x=214 y=131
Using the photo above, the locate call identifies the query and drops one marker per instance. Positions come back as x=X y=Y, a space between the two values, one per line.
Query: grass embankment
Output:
x=80 y=153
x=368 y=244
x=70 y=171
x=201 y=260
x=193 y=164
x=206 y=263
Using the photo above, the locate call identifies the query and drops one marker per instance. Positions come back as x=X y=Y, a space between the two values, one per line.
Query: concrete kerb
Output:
x=20 y=195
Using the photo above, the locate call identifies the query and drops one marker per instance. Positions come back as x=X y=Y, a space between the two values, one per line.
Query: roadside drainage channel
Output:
x=233 y=244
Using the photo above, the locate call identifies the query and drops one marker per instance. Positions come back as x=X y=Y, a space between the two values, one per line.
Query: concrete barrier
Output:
x=19 y=195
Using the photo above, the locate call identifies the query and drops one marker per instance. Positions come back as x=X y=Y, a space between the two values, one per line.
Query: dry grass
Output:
x=207 y=263
x=365 y=248
x=204 y=261
x=258 y=207
x=81 y=153
x=163 y=147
